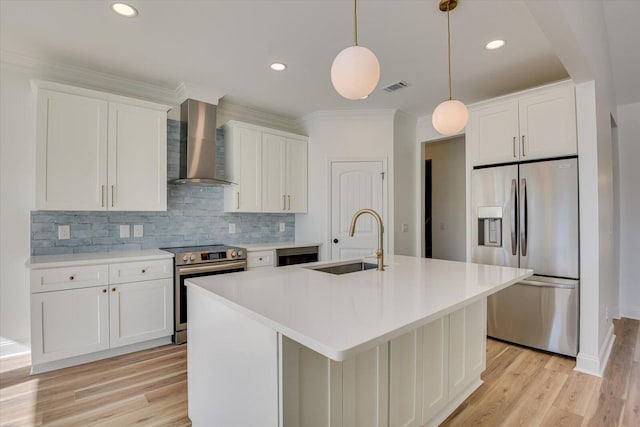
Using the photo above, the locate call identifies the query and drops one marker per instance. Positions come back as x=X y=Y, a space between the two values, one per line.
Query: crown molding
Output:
x=188 y=90
x=88 y=78
x=230 y=111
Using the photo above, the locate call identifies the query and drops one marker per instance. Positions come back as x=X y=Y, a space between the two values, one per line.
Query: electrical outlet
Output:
x=138 y=230
x=125 y=231
x=282 y=227
x=232 y=228
x=405 y=228
x=64 y=232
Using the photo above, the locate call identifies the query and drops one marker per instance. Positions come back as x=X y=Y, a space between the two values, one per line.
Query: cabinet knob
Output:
x=72 y=277
x=113 y=289
x=335 y=240
x=104 y=291
x=144 y=271
x=260 y=259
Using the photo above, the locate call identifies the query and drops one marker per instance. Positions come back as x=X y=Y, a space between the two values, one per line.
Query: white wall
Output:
x=341 y=135
x=629 y=208
x=448 y=198
x=17 y=198
x=405 y=183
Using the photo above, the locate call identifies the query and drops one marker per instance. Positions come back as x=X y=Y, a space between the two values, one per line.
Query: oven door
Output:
x=185 y=272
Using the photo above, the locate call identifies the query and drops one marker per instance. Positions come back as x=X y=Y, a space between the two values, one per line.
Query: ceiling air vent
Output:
x=396 y=86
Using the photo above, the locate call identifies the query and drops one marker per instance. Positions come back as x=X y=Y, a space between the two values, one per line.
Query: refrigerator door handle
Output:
x=547 y=284
x=514 y=204
x=523 y=218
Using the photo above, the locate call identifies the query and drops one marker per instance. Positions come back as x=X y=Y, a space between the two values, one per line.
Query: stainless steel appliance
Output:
x=197 y=261
x=292 y=256
x=526 y=215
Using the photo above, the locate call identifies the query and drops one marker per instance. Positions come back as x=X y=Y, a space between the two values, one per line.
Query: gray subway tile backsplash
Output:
x=194 y=216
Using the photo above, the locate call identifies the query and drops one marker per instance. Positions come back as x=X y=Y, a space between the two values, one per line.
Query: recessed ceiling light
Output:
x=495 y=44
x=278 y=66
x=124 y=10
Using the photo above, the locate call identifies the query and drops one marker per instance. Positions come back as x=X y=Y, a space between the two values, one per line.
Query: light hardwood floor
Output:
x=521 y=387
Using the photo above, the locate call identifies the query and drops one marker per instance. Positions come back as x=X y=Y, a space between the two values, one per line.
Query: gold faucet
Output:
x=352 y=230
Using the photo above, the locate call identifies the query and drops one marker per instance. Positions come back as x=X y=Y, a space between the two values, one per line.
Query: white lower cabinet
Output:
x=260 y=259
x=90 y=313
x=408 y=381
x=140 y=311
x=69 y=323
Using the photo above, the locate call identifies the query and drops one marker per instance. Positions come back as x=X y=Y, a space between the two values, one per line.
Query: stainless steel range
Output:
x=197 y=261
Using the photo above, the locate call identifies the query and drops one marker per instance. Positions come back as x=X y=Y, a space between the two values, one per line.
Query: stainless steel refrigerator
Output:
x=526 y=215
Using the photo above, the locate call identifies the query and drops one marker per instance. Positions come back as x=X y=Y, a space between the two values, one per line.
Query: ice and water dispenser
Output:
x=490 y=226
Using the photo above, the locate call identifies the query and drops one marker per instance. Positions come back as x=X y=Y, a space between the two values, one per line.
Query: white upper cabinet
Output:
x=97 y=151
x=540 y=123
x=268 y=167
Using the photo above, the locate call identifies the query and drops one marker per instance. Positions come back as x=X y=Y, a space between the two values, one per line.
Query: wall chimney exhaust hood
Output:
x=198 y=144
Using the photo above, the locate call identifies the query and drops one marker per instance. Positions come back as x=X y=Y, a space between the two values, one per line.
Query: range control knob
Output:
x=184 y=258
x=233 y=254
x=192 y=258
x=240 y=252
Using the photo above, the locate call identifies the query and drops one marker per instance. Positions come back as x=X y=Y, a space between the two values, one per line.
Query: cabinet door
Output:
x=247 y=171
x=405 y=380
x=548 y=124
x=365 y=388
x=274 y=150
x=467 y=344
x=140 y=311
x=71 y=171
x=435 y=365
x=137 y=158
x=296 y=176
x=494 y=132
x=69 y=323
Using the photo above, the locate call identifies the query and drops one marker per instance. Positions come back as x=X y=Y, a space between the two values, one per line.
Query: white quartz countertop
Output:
x=342 y=315
x=53 y=261
x=275 y=245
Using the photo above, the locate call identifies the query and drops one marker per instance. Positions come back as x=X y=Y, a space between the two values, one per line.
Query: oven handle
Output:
x=217 y=267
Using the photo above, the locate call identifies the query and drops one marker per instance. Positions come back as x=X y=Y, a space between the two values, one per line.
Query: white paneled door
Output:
x=356 y=185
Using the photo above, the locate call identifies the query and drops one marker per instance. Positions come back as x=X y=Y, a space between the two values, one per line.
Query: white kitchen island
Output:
x=296 y=347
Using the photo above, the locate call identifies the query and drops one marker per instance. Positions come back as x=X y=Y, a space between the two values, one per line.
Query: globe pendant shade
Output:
x=355 y=72
x=450 y=117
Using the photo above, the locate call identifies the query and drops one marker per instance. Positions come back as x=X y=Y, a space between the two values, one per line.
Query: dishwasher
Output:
x=291 y=256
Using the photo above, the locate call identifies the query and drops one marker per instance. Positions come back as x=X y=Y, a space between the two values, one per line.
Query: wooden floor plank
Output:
x=631 y=413
x=557 y=417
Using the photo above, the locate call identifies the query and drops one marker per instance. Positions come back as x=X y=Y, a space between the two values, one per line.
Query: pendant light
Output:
x=450 y=116
x=355 y=71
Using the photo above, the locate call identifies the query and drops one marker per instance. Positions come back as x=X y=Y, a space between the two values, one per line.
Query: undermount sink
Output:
x=352 y=267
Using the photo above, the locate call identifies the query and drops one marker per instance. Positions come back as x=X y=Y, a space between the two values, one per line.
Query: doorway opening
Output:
x=428 y=232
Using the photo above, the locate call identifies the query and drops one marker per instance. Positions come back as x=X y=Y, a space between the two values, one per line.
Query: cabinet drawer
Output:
x=57 y=279
x=260 y=259
x=140 y=270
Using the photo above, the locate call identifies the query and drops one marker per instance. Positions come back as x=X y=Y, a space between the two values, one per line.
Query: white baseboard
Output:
x=630 y=312
x=10 y=348
x=596 y=365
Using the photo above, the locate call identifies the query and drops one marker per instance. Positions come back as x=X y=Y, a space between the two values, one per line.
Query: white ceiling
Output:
x=228 y=45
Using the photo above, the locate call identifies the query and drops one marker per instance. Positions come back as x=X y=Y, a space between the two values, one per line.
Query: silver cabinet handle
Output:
x=523 y=153
x=523 y=218
x=289 y=198
x=237 y=200
x=102 y=195
x=514 y=204
x=514 y=147
x=546 y=284
x=284 y=203
x=113 y=190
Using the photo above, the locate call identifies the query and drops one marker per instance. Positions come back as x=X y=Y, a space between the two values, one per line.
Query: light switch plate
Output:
x=282 y=227
x=64 y=232
x=125 y=231
x=138 y=230
x=232 y=228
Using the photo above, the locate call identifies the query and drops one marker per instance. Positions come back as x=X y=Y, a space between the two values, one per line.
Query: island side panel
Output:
x=232 y=365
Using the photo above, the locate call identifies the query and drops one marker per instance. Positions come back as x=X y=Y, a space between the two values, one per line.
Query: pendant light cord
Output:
x=355 y=23
x=449 y=48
